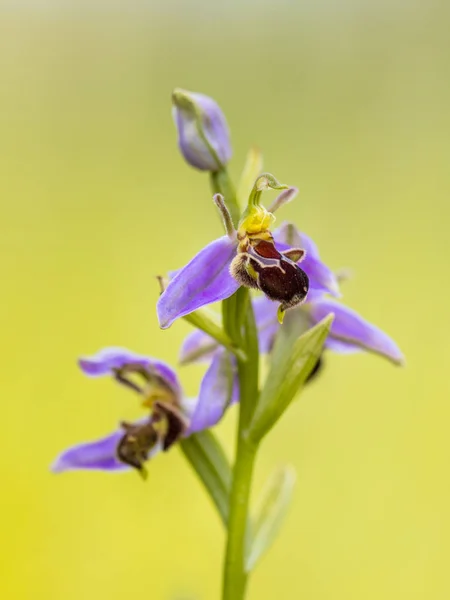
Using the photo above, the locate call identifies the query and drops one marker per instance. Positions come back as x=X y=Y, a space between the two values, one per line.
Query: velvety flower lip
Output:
x=111 y=360
x=204 y=280
x=203 y=134
x=350 y=331
x=321 y=277
x=260 y=265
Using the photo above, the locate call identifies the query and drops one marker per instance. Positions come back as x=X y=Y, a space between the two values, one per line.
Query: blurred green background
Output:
x=349 y=101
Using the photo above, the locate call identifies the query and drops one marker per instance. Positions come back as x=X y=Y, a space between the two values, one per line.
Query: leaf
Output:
x=272 y=507
x=292 y=363
x=206 y=456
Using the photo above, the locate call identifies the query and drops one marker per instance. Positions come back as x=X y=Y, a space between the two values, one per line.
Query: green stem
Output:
x=239 y=325
x=235 y=576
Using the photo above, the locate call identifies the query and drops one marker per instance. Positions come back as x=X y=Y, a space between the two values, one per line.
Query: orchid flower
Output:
x=250 y=256
x=170 y=415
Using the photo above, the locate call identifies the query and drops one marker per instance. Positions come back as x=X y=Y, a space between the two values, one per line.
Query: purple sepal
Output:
x=97 y=455
x=213 y=125
x=341 y=347
x=108 y=360
x=321 y=277
x=204 y=280
x=351 y=330
x=217 y=391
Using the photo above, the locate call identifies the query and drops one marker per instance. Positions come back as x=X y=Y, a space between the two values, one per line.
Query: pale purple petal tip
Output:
x=215 y=129
x=350 y=328
x=342 y=347
x=98 y=455
x=109 y=359
x=197 y=347
x=217 y=391
x=206 y=279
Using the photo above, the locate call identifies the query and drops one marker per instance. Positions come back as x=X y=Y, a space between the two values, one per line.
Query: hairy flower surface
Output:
x=170 y=414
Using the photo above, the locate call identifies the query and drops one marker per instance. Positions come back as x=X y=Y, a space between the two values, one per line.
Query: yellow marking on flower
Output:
x=154 y=393
x=280 y=314
x=161 y=427
x=265 y=236
x=257 y=220
x=251 y=271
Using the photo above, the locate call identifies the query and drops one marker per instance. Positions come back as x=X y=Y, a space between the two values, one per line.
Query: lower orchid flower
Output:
x=250 y=256
x=170 y=415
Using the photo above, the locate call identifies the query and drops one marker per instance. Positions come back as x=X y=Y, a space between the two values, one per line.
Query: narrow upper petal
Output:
x=350 y=328
x=108 y=360
x=321 y=277
x=217 y=391
x=204 y=280
x=97 y=455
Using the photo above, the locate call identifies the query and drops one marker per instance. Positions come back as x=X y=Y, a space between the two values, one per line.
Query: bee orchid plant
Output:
x=277 y=298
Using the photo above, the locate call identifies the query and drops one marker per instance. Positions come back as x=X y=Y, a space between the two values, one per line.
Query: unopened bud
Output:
x=203 y=135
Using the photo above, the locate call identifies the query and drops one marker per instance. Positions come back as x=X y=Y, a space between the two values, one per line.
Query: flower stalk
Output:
x=235 y=575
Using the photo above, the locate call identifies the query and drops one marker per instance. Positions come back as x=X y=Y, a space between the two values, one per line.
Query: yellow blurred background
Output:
x=349 y=101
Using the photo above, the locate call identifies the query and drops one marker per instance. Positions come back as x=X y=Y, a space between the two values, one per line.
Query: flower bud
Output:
x=203 y=135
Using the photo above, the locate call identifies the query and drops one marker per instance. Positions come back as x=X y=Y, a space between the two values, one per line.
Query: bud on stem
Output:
x=203 y=135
